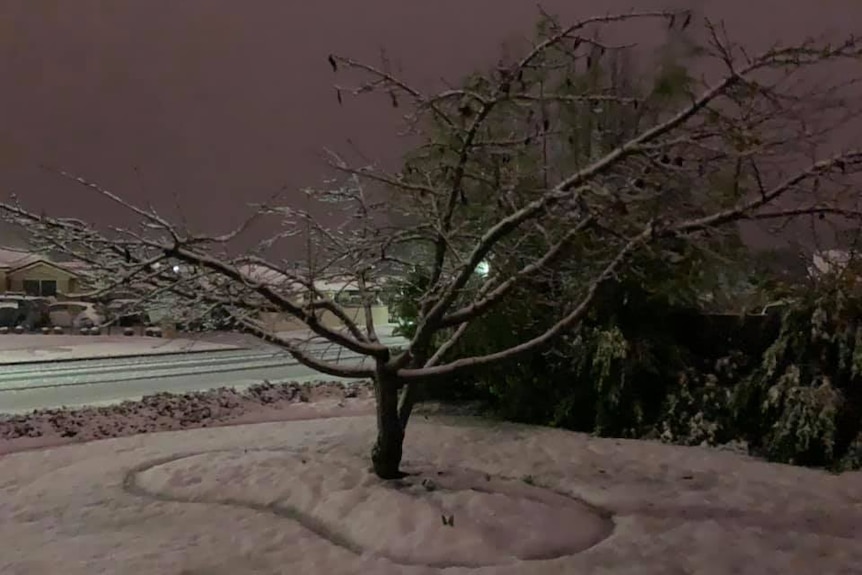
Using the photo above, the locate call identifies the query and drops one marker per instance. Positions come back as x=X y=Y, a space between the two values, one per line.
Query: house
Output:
x=34 y=274
x=347 y=294
x=343 y=292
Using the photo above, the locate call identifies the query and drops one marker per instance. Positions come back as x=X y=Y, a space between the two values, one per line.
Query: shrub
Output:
x=698 y=409
x=803 y=402
x=613 y=376
x=644 y=364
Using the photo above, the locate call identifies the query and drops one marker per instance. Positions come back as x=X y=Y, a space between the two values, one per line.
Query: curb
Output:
x=121 y=356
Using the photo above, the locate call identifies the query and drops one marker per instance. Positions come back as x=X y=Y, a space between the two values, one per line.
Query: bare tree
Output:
x=576 y=156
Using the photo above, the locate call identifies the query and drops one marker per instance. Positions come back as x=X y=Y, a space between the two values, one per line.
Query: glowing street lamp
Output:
x=483 y=269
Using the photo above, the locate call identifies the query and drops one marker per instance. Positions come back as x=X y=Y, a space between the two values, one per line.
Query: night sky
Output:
x=215 y=103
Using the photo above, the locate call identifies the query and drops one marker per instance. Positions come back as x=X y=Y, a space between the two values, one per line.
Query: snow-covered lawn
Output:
x=38 y=347
x=297 y=497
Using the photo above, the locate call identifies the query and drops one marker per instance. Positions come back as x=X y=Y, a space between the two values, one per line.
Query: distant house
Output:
x=34 y=274
x=345 y=293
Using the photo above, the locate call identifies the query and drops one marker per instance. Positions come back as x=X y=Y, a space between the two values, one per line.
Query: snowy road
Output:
x=24 y=387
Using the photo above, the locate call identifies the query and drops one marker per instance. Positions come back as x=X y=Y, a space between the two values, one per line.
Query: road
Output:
x=24 y=387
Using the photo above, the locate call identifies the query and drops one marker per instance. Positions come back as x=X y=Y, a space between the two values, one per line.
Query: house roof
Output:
x=347 y=284
x=281 y=281
x=268 y=276
x=42 y=262
x=13 y=260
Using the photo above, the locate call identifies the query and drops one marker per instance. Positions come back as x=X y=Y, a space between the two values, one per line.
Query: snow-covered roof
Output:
x=281 y=280
x=16 y=258
x=268 y=276
x=13 y=259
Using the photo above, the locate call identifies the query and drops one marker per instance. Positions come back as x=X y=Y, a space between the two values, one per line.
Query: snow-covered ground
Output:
x=297 y=497
x=195 y=484
x=38 y=347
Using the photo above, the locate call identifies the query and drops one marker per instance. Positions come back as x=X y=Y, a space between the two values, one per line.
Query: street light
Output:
x=483 y=269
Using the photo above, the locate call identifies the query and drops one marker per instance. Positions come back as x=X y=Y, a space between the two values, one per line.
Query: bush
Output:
x=611 y=376
x=698 y=410
x=803 y=402
x=644 y=364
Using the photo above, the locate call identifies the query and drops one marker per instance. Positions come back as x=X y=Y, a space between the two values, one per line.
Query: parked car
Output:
x=25 y=311
x=76 y=314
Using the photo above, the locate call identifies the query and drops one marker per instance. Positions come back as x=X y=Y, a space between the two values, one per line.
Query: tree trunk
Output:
x=386 y=454
x=412 y=391
x=405 y=405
